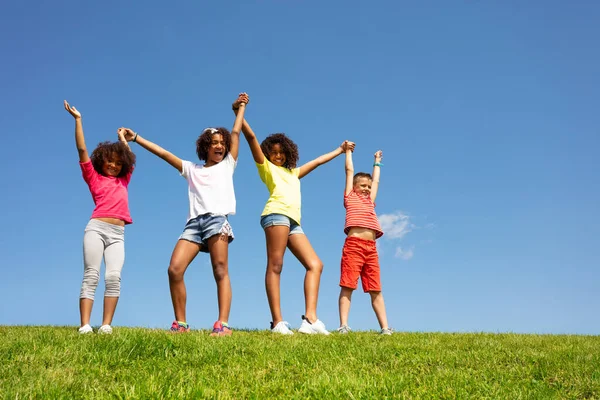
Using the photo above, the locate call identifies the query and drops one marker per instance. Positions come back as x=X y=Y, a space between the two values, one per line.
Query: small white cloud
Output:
x=395 y=225
x=405 y=254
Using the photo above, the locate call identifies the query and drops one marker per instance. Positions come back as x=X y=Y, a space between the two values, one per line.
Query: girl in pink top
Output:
x=107 y=173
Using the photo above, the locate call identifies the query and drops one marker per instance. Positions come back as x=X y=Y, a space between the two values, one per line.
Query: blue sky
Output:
x=487 y=114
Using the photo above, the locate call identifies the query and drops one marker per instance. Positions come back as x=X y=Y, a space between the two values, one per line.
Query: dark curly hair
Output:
x=290 y=149
x=205 y=139
x=105 y=150
x=359 y=175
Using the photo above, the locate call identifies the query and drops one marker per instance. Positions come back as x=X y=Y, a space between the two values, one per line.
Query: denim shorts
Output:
x=203 y=227
x=280 y=220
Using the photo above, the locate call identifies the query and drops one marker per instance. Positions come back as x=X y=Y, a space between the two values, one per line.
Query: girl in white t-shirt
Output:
x=212 y=199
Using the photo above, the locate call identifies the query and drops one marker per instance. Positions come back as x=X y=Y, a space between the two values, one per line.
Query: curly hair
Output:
x=359 y=175
x=205 y=139
x=290 y=149
x=106 y=149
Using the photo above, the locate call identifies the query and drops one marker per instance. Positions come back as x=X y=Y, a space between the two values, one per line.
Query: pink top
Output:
x=360 y=212
x=109 y=193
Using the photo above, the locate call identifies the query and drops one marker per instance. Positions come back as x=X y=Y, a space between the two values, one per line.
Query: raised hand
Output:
x=347 y=145
x=72 y=110
x=378 y=155
x=128 y=134
x=242 y=98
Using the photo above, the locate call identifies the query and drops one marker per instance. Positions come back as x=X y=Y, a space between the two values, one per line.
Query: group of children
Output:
x=211 y=200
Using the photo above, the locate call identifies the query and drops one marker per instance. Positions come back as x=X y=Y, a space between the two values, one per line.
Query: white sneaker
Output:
x=386 y=331
x=282 y=327
x=105 y=330
x=316 y=327
x=85 y=329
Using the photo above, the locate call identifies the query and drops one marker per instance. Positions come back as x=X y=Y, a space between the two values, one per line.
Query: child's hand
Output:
x=378 y=156
x=121 y=134
x=128 y=134
x=72 y=110
x=242 y=98
x=347 y=145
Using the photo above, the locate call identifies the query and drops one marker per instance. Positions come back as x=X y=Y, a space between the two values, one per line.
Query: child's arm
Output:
x=121 y=134
x=240 y=105
x=79 y=138
x=325 y=158
x=376 y=172
x=153 y=148
x=349 y=171
x=257 y=153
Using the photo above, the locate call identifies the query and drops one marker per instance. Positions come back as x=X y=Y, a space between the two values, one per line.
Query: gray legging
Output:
x=102 y=239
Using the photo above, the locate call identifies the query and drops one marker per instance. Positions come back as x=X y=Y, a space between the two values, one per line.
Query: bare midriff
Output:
x=362 y=233
x=112 y=221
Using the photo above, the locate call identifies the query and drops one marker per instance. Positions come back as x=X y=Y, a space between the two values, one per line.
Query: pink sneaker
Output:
x=220 y=329
x=179 y=327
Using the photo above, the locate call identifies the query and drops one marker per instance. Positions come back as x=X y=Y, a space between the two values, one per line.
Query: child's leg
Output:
x=302 y=249
x=344 y=304
x=379 y=308
x=93 y=250
x=371 y=282
x=114 y=258
x=183 y=254
x=218 y=247
x=351 y=265
x=277 y=238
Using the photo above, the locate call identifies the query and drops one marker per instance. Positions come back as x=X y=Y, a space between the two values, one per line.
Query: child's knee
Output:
x=375 y=295
x=275 y=265
x=315 y=265
x=175 y=272
x=91 y=277
x=220 y=270
x=113 y=284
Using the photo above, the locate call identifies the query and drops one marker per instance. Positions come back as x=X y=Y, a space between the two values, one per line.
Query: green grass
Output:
x=55 y=362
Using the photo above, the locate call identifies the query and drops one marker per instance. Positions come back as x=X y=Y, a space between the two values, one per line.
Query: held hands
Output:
x=72 y=110
x=126 y=134
x=378 y=156
x=121 y=134
x=347 y=145
x=242 y=99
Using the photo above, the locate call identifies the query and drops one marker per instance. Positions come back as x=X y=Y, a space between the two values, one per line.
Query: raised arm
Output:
x=79 y=138
x=257 y=153
x=325 y=158
x=121 y=134
x=153 y=148
x=349 y=171
x=376 y=171
x=240 y=106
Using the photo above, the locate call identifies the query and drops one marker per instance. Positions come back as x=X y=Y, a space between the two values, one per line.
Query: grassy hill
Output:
x=56 y=362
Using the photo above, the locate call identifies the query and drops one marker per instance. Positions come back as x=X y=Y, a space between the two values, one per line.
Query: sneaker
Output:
x=282 y=327
x=221 y=329
x=179 y=327
x=86 y=329
x=105 y=330
x=344 y=329
x=386 y=331
x=316 y=327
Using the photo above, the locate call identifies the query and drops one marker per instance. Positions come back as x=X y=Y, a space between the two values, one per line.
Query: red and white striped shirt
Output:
x=360 y=212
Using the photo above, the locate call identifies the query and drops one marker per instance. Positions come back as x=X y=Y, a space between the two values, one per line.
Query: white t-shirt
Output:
x=210 y=189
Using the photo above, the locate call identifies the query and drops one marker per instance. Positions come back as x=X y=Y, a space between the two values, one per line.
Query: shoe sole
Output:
x=313 y=332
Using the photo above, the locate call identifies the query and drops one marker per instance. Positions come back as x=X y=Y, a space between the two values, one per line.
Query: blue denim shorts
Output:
x=280 y=220
x=203 y=227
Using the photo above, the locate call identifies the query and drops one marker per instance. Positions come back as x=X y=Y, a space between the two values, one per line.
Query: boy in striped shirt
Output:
x=359 y=256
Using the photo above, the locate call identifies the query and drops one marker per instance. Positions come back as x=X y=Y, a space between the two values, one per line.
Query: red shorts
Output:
x=359 y=258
